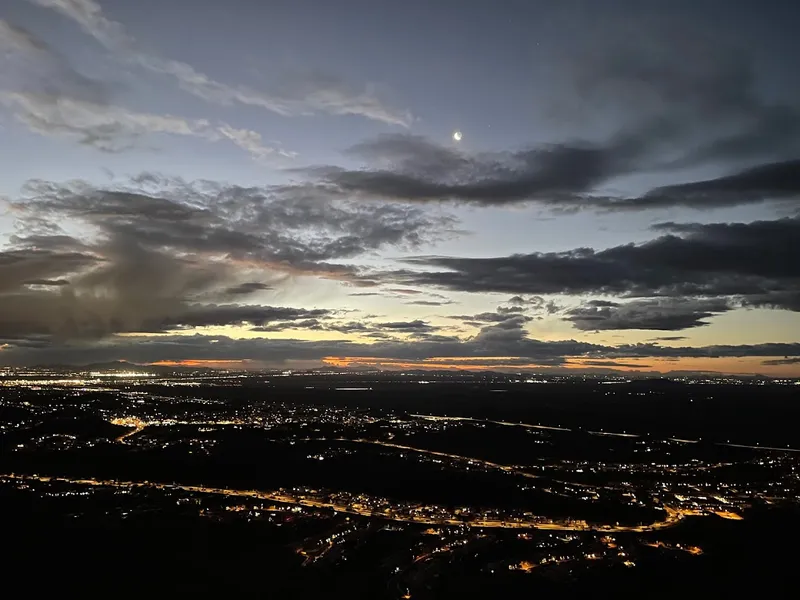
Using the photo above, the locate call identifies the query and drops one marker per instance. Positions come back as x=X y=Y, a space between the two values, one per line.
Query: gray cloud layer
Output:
x=677 y=281
x=666 y=314
x=163 y=253
x=690 y=259
x=688 y=88
x=559 y=176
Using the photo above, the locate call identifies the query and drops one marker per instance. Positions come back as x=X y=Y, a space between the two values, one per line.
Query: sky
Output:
x=262 y=184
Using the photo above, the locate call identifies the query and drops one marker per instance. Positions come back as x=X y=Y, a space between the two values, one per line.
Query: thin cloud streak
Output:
x=314 y=95
x=48 y=96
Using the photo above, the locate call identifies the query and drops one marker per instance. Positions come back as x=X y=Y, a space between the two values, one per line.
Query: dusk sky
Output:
x=506 y=184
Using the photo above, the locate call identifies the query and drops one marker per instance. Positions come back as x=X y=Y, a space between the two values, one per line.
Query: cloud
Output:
x=106 y=127
x=676 y=281
x=613 y=364
x=718 y=259
x=532 y=304
x=694 y=91
x=636 y=96
x=349 y=327
x=113 y=128
x=15 y=38
x=249 y=287
x=430 y=302
x=782 y=361
x=161 y=254
x=22 y=265
x=206 y=315
x=781 y=300
x=286 y=325
x=51 y=98
x=47 y=282
x=251 y=142
x=766 y=182
x=249 y=224
x=412 y=169
x=666 y=314
x=115 y=286
x=482 y=349
x=31 y=66
x=514 y=316
x=565 y=177
x=434 y=299
x=313 y=94
x=416 y=326
x=520 y=301
x=491 y=317
x=127 y=288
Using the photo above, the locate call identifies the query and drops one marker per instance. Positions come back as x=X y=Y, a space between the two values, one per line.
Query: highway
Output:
x=673 y=516
x=606 y=433
x=458 y=457
x=137 y=425
x=505 y=423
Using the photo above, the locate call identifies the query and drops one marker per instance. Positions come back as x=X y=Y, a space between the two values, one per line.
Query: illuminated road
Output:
x=140 y=425
x=466 y=459
x=612 y=434
x=673 y=516
x=137 y=424
x=505 y=423
x=458 y=457
x=787 y=449
x=607 y=433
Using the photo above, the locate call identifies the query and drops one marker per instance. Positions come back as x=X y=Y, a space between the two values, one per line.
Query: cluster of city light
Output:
x=374 y=506
x=120 y=374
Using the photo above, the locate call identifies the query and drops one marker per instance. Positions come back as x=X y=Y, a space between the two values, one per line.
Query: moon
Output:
x=457 y=136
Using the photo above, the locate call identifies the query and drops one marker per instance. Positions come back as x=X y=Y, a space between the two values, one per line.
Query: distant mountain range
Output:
x=648 y=378
x=122 y=365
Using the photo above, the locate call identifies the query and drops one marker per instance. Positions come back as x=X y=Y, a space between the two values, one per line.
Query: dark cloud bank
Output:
x=688 y=274
x=158 y=254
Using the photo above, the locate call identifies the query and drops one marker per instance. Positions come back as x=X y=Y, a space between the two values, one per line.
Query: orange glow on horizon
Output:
x=729 y=366
x=469 y=364
x=725 y=366
x=212 y=363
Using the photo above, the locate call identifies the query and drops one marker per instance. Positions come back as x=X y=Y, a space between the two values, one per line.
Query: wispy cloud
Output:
x=28 y=64
x=113 y=128
x=106 y=127
x=309 y=95
x=251 y=141
x=16 y=38
x=50 y=97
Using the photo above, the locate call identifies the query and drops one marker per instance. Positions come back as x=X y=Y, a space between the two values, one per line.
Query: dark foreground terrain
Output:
x=384 y=487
